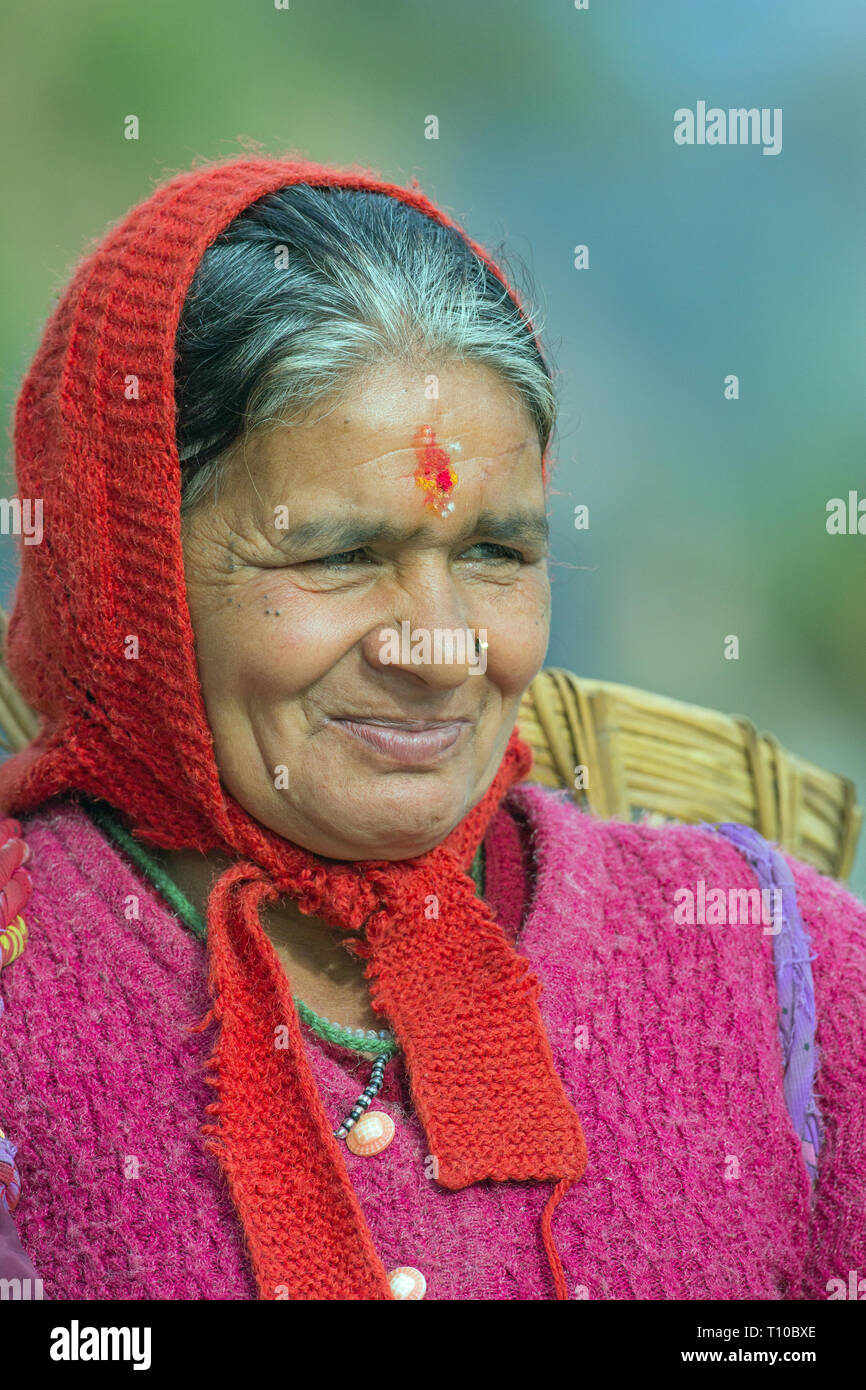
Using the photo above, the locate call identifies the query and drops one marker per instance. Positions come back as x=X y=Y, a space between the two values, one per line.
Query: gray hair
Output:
x=308 y=288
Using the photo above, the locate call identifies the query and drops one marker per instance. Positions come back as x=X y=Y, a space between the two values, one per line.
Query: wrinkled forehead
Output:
x=387 y=439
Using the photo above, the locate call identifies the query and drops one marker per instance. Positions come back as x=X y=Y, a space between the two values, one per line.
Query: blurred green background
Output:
x=707 y=516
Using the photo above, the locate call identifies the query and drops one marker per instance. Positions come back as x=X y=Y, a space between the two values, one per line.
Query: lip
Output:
x=409 y=742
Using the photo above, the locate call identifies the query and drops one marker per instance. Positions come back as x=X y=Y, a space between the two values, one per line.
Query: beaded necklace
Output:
x=382 y=1046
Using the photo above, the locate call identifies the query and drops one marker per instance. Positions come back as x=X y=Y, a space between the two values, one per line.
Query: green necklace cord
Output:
x=180 y=904
x=105 y=818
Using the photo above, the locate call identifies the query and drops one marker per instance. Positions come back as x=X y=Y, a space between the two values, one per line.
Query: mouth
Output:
x=410 y=742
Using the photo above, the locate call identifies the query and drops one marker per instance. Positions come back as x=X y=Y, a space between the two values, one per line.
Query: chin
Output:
x=413 y=832
x=408 y=822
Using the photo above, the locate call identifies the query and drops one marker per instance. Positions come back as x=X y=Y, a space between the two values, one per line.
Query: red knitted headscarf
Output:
x=104 y=460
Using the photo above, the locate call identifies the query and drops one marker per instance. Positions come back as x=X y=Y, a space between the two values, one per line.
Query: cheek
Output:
x=266 y=640
x=518 y=634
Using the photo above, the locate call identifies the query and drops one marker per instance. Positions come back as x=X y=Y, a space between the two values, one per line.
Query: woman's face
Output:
x=327 y=728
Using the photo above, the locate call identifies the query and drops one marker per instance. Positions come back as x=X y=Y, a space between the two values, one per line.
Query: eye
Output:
x=501 y=552
x=341 y=559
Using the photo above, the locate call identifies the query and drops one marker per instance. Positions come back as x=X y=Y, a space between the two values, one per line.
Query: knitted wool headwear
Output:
x=103 y=458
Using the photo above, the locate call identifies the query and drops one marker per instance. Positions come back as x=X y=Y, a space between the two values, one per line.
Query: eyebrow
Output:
x=331 y=535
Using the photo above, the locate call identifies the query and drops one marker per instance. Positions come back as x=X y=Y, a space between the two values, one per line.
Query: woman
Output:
x=291 y=427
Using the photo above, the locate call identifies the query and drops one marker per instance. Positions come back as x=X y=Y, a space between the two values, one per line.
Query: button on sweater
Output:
x=665 y=1037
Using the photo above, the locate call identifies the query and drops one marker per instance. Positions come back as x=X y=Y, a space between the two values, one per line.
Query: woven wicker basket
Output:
x=625 y=752
x=644 y=753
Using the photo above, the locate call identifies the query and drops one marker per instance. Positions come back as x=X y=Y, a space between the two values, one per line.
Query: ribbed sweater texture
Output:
x=665 y=1038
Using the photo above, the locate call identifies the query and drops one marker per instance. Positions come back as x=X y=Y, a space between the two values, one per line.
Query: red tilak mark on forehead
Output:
x=434 y=472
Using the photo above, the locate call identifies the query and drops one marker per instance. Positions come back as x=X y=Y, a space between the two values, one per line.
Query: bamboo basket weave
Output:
x=647 y=754
x=644 y=754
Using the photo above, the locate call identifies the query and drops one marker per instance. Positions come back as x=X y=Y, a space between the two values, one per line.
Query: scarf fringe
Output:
x=553 y=1256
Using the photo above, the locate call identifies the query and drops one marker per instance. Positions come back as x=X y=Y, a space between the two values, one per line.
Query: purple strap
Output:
x=14 y=1263
x=792 y=960
x=10 y=1178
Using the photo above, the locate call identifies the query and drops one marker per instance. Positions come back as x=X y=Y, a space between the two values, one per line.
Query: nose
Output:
x=425 y=632
x=440 y=657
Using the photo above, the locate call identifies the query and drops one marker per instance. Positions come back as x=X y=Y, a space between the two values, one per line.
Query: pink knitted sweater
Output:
x=665 y=1036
